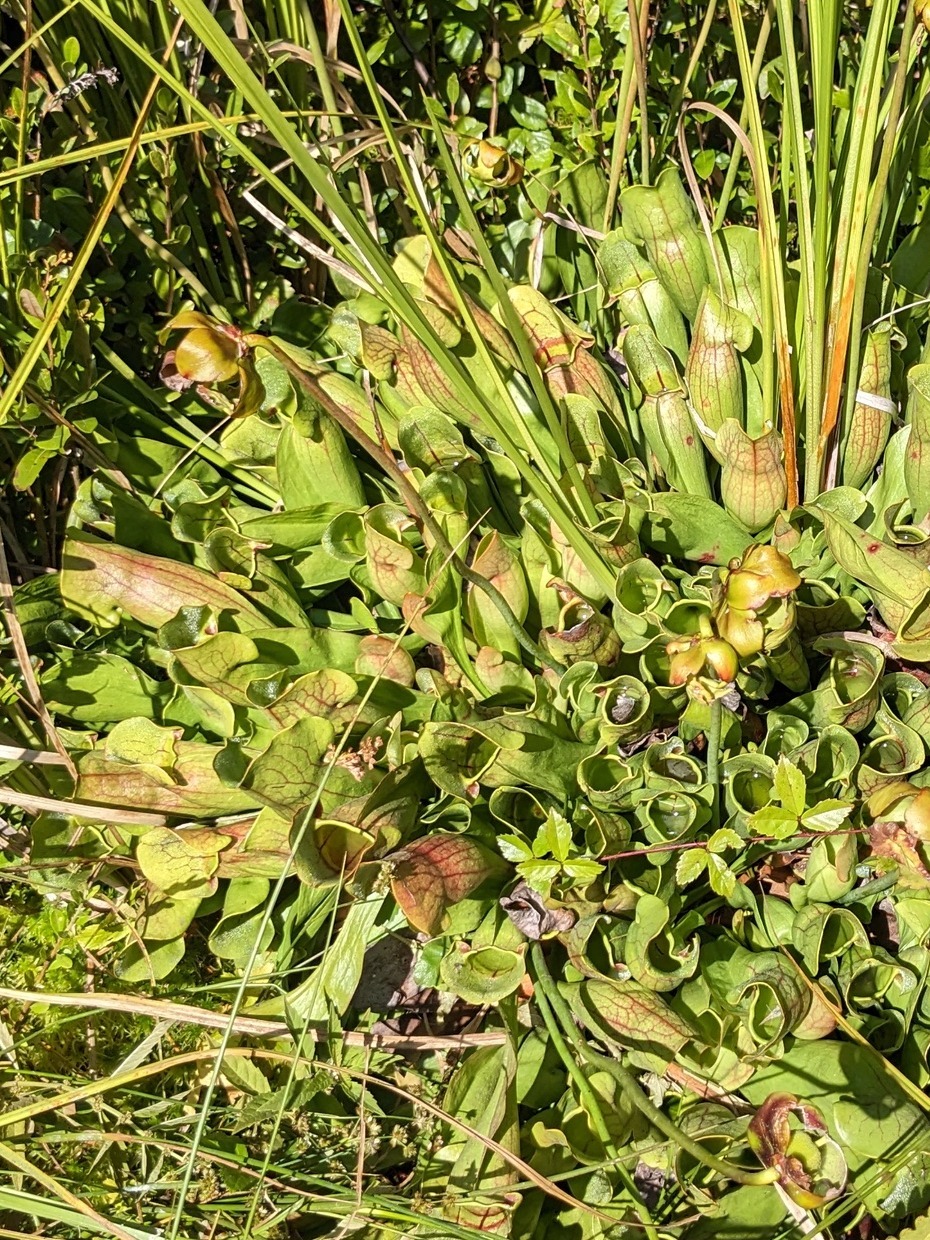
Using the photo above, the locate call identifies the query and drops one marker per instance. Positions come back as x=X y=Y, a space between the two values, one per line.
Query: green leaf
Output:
x=290 y=773
x=889 y=573
x=316 y=466
x=631 y=1015
x=153 y=964
x=827 y=815
x=582 y=871
x=690 y=866
x=774 y=821
x=236 y=935
x=167 y=917
x=100 y=688
x=722 y=878
x=660 y=218
x=554 y=838
x=690 y=527
x=790 y=787
x=722 y=839
x=481 y=975
x=512 y=848
x=336 y=978
x=480 y=1094
x=654 y=953
x=539 y=874
x=763 y=988
x=181 y=863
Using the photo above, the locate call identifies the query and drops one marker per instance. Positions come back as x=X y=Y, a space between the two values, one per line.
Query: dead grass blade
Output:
x=246 y=1026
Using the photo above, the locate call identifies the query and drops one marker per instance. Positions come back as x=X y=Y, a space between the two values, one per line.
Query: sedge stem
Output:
x=631 y=1090
x=592 y=1106
x=713 y=752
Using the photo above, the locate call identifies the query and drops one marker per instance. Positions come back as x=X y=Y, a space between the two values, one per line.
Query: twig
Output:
x=41 y=757
x=246 y=1026
x=15 y=630
x=308 y=247
x=74 y=809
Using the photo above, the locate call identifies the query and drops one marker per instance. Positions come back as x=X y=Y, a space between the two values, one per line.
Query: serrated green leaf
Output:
x=827 y=815
x=554 y=838
x=512 y=848
x=691 y=865
x=582 y=871
x=774 y=821
x=539 y=874
x=790 y=787
x=722 y=878
x=722 y=839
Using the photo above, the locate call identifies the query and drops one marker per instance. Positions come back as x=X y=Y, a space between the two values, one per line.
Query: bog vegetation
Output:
x=466 y=570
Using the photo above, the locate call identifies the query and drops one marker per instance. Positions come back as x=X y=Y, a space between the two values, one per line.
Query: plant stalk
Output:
x=713 y=753
x=592 y=1105
x=878 y=201
x=632 y=1092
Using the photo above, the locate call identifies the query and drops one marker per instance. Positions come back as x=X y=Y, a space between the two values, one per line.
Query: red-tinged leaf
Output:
x=396 y=570
x=421 y=380
x=869 y=427
x=492 y=1217
x=631 y=1015
x=433 y=873
x=382 y=657
x=753 y=482
x=811 y=1166
x=191 y=790
x=714 y=379
x=555 y=339
x=102 y=582
x=325 y=692
x=259 y=847
x=301 y=767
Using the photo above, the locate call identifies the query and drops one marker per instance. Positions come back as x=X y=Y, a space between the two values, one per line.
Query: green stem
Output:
x=878 y=201
x=684 y=86
x=625 y=100
x=632 y=1092
x=589 y=1098
x=713 y=750
x=639 y=59
x=729 y=183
